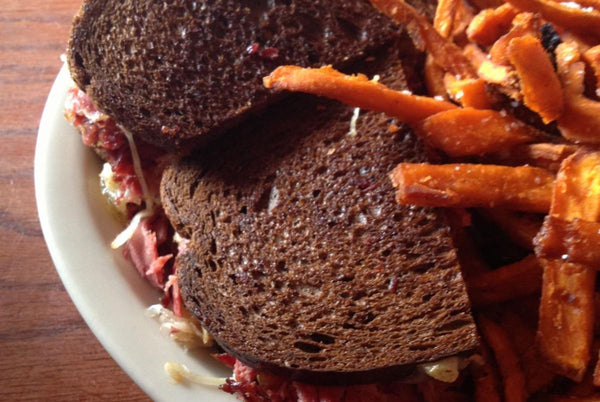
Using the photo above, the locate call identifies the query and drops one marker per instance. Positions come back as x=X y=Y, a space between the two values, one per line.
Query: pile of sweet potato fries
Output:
x=485 y=60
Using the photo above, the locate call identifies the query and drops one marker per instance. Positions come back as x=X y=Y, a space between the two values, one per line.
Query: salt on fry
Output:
x=464 y=132
x=509 y=282
x=470 y=92
x=356 y=91
x=446 y=53
x=469 y=185
x=490 y=24
x=507 y=359
x=583 y=20
x=540 y=86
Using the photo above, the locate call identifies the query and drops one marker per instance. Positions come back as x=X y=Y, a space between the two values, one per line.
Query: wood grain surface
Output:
x=47 y=353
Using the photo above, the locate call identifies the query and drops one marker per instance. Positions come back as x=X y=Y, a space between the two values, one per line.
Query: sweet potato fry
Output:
x=490 y=24
x=577 y=190
x=434 y=78
x=475 y=55
x=537 y=375
x=585 y=21
x=497 y=74
x=512 y=281
x=444 y=16
x=431 y=391
x=586 y=386
x=596 y=374
x=580 y=121
x=507 y=359
x=483 y=4
x=463 y=17
x=592 y=58
x=464 y=132
x=597 y=314
x=590 y=3
x=357 y=91
x=568 y=54
x=540 y=86
x=467 y=185
x=543 y=155
x=521 y=228
x=446 y=54
x=469 y=255
x=566 y=398
x=574 y=241
x=469 y=92
x=521 y=334
x=523 y=24
x=458 y=217
x=485 y=376
x=504 y=77
x=566 y=317
x=584 y=43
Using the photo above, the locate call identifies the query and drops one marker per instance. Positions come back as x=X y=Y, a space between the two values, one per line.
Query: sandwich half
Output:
x=300 y=262
x=177 y=73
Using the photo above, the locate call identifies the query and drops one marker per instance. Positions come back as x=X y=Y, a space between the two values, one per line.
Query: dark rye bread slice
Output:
x=300 y=261
x=178 y=72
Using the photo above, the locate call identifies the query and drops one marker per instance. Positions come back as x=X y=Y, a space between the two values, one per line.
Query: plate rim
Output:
x=155 y=387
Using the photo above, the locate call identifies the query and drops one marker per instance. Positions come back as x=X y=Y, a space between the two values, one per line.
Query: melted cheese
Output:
x=185 y=331
x=353 y=121
x=137 y=167
x=126 y=234
x=180 y=373
x=445 y=370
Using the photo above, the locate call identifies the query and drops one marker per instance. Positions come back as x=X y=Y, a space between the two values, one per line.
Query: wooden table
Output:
x=46 y=350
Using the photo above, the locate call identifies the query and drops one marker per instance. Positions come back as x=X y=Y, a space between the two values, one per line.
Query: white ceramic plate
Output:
x=108 y=292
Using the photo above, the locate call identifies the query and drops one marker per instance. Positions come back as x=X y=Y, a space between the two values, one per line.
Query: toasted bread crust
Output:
x=176 y=75
x=300 y=261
